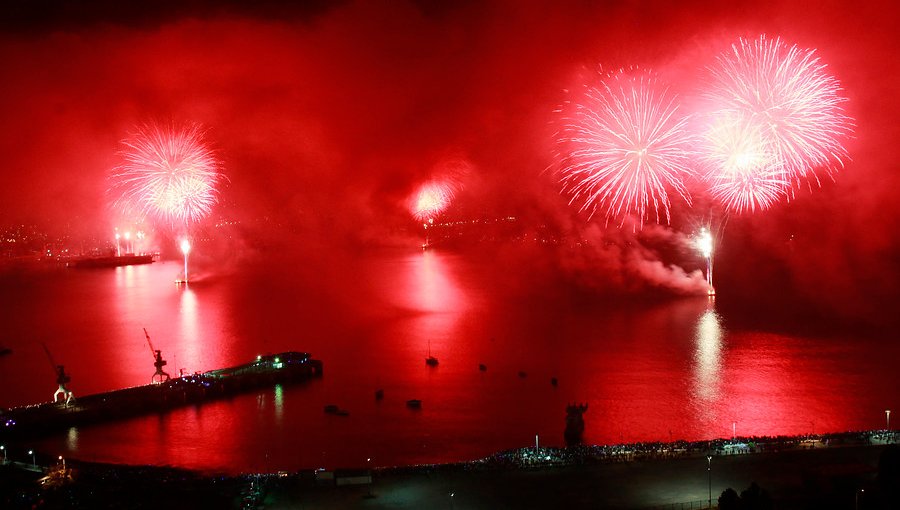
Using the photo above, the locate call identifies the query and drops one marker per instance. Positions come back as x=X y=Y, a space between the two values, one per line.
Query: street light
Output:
x=3 y=449
x=33 y=461
x=63 y=461
x=860 y=491
x=887 y=415
x=185 y=248
x=709 y=476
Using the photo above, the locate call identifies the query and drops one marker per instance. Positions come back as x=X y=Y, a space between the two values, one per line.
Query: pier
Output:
x=265 y=371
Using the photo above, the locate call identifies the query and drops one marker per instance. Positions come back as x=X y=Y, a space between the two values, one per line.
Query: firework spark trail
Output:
x=782 y=94
x=168 y=174
x=623 y=148
x=431 y=199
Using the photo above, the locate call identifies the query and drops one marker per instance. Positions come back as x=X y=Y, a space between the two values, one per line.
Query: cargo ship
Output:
x=41 y=419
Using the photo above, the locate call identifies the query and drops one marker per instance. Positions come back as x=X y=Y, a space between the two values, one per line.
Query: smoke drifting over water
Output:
x=328 y=115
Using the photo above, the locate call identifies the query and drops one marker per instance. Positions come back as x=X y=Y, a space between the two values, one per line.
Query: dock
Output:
x=266 y=371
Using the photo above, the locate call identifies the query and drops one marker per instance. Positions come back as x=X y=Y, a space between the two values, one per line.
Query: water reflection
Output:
x=707 y=364
x=72 y=440
x=434 y=291
x=189 y=326
x=279 y=404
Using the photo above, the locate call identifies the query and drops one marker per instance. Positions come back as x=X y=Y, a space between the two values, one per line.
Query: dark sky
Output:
x=330 y=113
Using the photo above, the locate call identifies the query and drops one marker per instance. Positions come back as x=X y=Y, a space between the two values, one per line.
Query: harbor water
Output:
x=661 y=370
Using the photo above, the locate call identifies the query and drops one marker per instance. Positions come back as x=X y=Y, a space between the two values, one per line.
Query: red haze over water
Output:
x=327 y=117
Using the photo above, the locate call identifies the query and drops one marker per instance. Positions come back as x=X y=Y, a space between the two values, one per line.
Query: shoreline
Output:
x=573 y=469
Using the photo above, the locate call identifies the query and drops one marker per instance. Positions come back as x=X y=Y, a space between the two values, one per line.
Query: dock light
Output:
x=33 y=461
x=3 y=449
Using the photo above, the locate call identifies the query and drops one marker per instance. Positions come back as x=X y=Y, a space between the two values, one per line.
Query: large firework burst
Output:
x=169 y=175
x=624 y=148
x=782 y=98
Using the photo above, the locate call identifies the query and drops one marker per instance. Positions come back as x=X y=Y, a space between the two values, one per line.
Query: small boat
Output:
x=379 y=394
x=482 y=367
x=332 y=409
x=5 y=350
x=522 y=374
x=414 y=403
x=553 y=381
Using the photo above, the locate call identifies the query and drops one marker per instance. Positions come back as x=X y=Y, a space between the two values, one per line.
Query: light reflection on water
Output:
x=649 y=372
x=708 y=358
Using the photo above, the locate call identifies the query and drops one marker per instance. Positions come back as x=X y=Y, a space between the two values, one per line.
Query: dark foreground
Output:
x=838 y=477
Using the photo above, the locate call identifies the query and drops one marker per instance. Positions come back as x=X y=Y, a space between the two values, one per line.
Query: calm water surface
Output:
x=670 y=370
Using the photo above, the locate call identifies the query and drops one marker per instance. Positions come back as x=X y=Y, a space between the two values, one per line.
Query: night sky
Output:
x=328 y=115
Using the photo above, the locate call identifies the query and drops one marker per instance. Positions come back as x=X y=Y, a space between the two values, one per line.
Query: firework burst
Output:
x=431 y=199
x=781 y=95
x=743 y=172
x=168 y=174
x=624 y=148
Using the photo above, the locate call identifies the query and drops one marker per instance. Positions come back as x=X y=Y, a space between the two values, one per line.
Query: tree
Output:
x=756 y=498
x=729 y=500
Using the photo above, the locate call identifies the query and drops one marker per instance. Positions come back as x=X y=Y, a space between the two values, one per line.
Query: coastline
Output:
x=793 y=469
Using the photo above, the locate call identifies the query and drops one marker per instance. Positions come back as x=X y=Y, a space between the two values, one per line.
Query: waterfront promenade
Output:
x=801 y=478
x=840 y=471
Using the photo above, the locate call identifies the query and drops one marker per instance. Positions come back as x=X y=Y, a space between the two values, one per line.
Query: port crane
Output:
x=158 y=362
x=62 y=378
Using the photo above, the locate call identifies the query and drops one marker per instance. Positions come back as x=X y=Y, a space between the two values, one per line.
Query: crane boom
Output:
x=49 y=357
x=152 y=351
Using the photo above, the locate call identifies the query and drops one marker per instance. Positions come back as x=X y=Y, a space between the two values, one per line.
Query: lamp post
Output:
x=185 y=248
x=887 y=416
x=3 y=449
x=860 y=491
x=118 y=245
x=62 y=460
x=33 y=461
x=709 y=477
